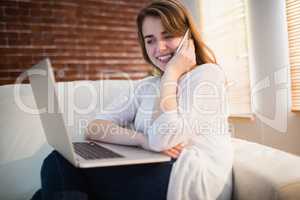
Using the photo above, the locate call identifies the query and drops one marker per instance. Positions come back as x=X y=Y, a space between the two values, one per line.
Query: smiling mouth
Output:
x=165 y=58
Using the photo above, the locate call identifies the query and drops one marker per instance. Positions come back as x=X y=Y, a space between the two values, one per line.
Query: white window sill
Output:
x=241 y=117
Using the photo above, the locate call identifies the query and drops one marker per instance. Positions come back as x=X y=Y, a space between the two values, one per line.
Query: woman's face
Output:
x=160 y=45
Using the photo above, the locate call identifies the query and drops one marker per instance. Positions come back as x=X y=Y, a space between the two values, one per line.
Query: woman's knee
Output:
x=51 y=164
x=59 y=173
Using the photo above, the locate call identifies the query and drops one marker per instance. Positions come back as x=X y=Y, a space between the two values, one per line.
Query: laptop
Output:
x=83 y=153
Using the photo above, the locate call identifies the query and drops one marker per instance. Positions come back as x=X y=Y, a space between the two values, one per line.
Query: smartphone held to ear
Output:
x=185 y=37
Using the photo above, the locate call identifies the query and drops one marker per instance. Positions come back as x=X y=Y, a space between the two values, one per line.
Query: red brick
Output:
x=24 y=37
x=38 y=58
x=62 y=5
x=3 y=41
x=6 y=34
x=106 y=20
x=31 y=35
x=18 y=42
x=29 y=5
x=28 y=35
x=3 y=66
x=41 y=42
x=6 y=81
x=2 y=11
x=12 y=51
x=55 y=51
x=134 y=5
x=41 y=13
x=73 y=35
x=98 y=13
x=7 y=51
x=64 y=13
x=53 y=20
x=36 y=28
x=33 y=19
x=9 y=60
x=8 y=19
x=63 y=30
x=10 y=74
x=17 y=27
x=9 y=3
x=16 y=12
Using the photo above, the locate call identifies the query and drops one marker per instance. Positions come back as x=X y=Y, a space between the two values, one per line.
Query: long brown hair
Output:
x=176 y=20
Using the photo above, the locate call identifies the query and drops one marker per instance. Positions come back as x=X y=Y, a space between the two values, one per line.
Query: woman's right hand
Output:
x=175 y=151
x=183 y=61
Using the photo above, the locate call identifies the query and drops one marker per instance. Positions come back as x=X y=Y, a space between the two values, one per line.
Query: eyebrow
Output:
x=150 y=36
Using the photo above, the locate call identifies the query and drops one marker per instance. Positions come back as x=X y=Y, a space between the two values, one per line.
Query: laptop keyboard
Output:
x=92 y=151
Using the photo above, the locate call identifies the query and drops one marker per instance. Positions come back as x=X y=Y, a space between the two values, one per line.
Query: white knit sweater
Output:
x=203 y=170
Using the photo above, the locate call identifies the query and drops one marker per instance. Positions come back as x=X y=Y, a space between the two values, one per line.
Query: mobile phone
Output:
x=185 y=37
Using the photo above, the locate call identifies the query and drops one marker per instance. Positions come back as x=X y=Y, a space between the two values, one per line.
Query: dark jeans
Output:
x=61 y=180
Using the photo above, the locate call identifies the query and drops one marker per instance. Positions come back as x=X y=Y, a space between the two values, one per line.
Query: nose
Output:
x=162 y=45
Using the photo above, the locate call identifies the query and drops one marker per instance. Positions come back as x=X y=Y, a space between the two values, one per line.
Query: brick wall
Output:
x=84 y=39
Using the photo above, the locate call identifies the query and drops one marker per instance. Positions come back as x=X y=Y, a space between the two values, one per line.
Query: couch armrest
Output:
x=262 y=172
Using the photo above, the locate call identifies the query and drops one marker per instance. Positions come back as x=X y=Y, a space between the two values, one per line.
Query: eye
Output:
x=149 y=40
x=168 y=36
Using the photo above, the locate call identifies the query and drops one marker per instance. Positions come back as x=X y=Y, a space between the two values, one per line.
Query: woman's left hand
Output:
x=183 y=61
x=175 y=151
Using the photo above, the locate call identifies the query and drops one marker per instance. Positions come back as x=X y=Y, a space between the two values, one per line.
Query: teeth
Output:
x=164 y=58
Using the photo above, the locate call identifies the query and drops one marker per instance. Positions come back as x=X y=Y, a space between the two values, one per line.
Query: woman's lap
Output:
x=60 y=178
x=147 y=181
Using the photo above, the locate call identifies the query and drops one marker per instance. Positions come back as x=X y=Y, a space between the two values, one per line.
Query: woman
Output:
x=185 y=118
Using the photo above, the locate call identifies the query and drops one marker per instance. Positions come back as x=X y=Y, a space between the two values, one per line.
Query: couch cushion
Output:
x=22 y=142
x=262 y=172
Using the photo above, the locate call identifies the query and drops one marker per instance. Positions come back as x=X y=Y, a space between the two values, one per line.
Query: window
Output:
x=293 y=21
x=225 y=32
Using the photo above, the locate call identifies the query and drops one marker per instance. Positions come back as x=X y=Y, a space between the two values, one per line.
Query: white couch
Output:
x=260 y=172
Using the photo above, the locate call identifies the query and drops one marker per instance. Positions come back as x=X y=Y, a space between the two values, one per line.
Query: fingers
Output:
x=171 y=153
x=191 y=53
x=191 y=44
x=188 y=49
x=175 y=151
x=185 y=45
x=179 y=147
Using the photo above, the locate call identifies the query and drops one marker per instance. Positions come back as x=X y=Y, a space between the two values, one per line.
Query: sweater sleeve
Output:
x=201 y=102
x=123 y=107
